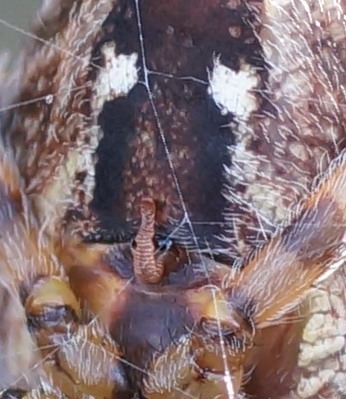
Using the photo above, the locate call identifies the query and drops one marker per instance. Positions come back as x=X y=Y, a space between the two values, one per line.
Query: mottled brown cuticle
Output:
x=170 y=213
x=196 y=133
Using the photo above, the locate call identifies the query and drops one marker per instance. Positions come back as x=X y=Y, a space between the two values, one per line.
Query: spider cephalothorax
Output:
x=168 y=309
x=161 y=230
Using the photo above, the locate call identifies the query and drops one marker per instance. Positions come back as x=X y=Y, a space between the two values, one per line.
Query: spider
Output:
x=171 y=223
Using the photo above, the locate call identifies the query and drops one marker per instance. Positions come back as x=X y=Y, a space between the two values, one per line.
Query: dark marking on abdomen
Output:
x=132 y=157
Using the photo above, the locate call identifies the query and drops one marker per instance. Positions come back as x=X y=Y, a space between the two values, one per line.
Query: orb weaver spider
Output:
x=171 y=223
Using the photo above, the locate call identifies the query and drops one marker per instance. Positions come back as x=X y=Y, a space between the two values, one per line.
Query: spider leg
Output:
x=309 y=250
x=160 y=325
x=270 y=289
x=140 y=319
x=274 y=281
x=49 y=307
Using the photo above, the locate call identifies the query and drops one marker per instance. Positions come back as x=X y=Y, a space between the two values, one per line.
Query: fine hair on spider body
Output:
x=173 y=201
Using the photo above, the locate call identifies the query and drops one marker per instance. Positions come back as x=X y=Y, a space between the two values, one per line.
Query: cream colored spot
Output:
x=299 y=151
x=233 y=92
x=117 y=77
x=309 y=387
x=319 y=302
x=321 y=350
x=234 y=31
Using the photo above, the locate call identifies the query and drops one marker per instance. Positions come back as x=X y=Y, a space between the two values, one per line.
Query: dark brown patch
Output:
x=181 y=39
x=149 y=323
x=273 y=360
x=13 y=394
x=52 y=317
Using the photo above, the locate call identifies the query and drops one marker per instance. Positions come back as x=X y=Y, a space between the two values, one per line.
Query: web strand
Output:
x=266 y=91
x=43 y=41
x=227 y=376
x=147 y=73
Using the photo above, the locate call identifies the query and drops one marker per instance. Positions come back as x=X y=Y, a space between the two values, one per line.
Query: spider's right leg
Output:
x=77 y=360
x=278 y=279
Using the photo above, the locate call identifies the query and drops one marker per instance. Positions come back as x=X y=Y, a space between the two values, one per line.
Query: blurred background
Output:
x=18 y=13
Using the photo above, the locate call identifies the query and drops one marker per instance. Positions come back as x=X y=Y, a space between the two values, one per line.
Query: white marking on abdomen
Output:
x=118 y=76
x=233 y=92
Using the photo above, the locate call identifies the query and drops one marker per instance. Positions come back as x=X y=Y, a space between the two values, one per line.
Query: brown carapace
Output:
x=160 y=232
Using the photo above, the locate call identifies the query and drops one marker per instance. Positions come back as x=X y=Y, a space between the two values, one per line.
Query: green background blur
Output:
x=19 y=13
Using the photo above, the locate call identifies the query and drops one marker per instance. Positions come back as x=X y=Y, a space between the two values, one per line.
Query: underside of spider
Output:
x=160 y=229
x=163 y=307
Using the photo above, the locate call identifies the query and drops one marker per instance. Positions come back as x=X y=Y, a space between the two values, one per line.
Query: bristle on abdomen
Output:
x=306 y=252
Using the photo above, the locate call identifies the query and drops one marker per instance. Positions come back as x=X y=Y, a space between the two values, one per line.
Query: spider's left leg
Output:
x=306 y=252
x=277 y=279
x=36 y=279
